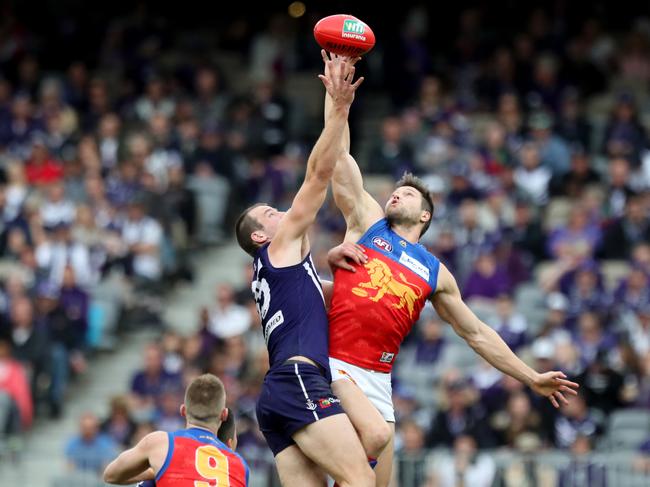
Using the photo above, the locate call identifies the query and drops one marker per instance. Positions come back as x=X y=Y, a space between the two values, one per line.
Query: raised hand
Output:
x=554 y=385
x=338 y=80
x=336 y=59
x=339 y=256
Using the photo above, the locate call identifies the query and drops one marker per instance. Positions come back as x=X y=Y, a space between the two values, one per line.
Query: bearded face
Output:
x=404 y=207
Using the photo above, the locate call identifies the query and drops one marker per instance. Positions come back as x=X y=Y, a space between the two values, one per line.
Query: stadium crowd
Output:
x=535 y=146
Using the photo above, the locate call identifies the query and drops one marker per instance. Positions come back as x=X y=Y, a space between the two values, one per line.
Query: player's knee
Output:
x=376 y=438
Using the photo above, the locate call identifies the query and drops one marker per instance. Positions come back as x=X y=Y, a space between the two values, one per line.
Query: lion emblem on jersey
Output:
x=384 y=283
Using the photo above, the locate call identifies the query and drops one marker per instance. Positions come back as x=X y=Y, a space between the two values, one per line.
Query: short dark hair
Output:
x=408 y=179
x=227 y=429
x=205 y=399
x=246 y=225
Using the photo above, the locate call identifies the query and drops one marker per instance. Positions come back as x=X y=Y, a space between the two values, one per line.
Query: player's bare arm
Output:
x=488 y=344
x=134 y=464
x=287 y=247
x=359 y=208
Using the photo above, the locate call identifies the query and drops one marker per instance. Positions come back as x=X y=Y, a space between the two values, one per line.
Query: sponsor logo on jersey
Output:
x=382 y=244
x=415 y=265
x=327 y=402
x=383 y=283
x=353 y=29
x=276 y=320
x=311 y=405
x=386 y=357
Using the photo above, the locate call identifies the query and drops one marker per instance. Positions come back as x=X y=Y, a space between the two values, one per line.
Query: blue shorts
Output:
x=293 y=396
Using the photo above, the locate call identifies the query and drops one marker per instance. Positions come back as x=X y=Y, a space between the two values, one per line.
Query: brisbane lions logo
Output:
x=384 y=283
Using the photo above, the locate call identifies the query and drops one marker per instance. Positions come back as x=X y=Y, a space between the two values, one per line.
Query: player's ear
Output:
x=224 y=414
x=183 y=411
x=425 y=216
x=259 y=237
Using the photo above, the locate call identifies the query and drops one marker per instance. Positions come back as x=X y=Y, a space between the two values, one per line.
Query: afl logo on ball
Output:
x=382 y=244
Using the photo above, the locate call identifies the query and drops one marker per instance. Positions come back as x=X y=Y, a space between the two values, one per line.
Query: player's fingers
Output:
x=325 y=81
x=567 y=383
x=358 y=83
x=561 y=397
x=353 y=255
x=346 y=266
x=553 y=401
x=568 y=390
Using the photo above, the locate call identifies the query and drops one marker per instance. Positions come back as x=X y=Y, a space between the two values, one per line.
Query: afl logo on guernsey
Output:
x=382 y=244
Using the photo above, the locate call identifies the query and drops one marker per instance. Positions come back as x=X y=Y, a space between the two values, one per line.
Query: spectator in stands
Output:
x=90 y=450
x=488 y=280
x=31 y=344
x=517 y=418
x=572 y=125
x=148 y=384
x=411 y=463
x=582 y=470
x=633 y=291
x=467 y=467
x=620 y=186
x=580 y=175
x=601 y=385
x=432 y=342
x=227 y=318
x=575 y=421
x=590 y=337
x=577 y=240
x=526 y=232
x=462 y=415
x=143 y=236
x=16 y=405
x=119 y=425
x=509 y=324
x=554 y=153
x=392 y=155
x=531 y=177
x=42 y=169
x=624 y=134
x=623 y=233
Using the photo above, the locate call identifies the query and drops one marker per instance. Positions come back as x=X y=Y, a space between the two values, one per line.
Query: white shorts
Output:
x=375 y=385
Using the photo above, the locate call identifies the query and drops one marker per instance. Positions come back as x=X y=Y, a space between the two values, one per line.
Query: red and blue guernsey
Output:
x=196 y=458
x=374 y=308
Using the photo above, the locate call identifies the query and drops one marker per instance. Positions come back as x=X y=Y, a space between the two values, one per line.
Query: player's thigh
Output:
x=384 y=468
x=333 y=444
x=373 y=430
x=296 y=470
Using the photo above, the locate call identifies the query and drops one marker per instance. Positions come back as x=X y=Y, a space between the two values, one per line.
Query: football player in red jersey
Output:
x=192 y=457
x=374 y=308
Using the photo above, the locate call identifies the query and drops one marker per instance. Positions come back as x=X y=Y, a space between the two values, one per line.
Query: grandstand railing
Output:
x=553 y=468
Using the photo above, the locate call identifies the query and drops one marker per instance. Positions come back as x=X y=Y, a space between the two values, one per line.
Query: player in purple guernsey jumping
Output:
x=302 y=420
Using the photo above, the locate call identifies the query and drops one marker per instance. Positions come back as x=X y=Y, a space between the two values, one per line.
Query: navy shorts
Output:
x=293 y=396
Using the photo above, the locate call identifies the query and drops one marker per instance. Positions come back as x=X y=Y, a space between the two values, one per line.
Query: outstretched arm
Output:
x=133 y=465
x=489 y=345
x=359 y=208
x=320 y=166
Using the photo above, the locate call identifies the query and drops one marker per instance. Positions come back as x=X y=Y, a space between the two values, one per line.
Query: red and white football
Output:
x=344 y=35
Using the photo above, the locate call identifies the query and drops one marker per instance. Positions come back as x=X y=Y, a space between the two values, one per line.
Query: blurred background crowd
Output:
x=129 y=141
